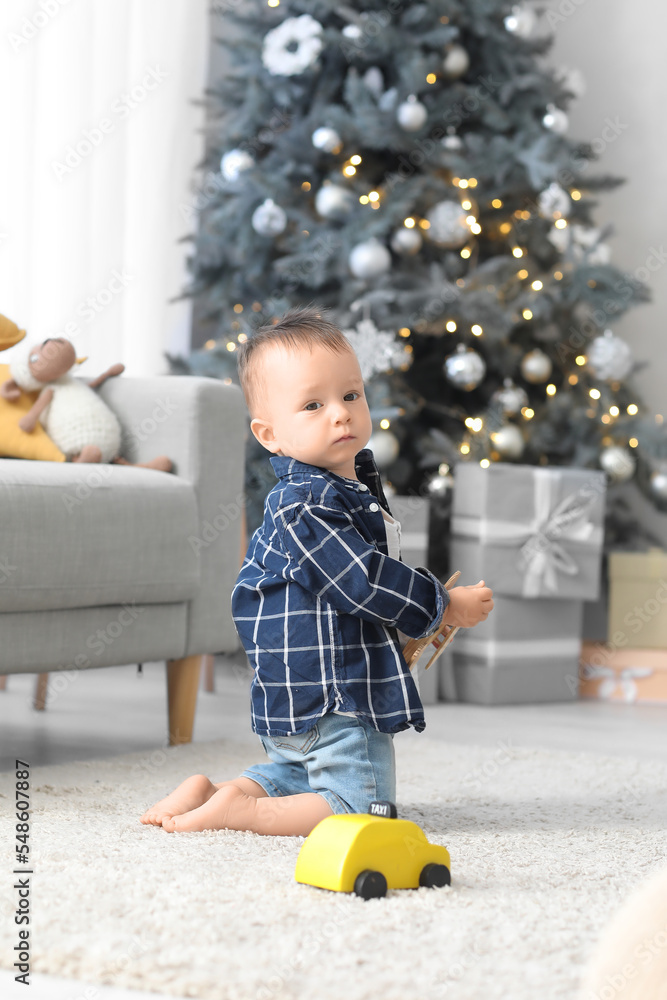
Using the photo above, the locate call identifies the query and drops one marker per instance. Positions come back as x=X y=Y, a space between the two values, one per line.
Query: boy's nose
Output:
x=341 y=414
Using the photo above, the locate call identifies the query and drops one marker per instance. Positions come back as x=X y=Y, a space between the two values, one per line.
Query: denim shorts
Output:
x=342 y=758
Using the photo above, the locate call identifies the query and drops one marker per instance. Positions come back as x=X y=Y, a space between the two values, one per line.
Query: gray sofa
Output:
x=103 y=565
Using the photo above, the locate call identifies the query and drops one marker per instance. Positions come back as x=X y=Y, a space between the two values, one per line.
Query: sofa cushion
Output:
x=15 y=443
x=78 y=535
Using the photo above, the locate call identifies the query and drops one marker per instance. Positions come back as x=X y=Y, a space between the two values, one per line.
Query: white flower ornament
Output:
x=303 y=34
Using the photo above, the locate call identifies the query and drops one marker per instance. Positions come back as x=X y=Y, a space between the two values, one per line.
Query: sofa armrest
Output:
x=200 y=424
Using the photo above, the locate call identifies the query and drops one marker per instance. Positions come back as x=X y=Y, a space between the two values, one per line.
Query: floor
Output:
x=101 y=713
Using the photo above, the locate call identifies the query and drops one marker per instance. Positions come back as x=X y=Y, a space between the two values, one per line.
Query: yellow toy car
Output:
x=368 y=853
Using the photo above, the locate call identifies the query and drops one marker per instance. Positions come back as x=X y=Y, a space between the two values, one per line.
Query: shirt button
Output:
x=373 y=507
x=362 y=486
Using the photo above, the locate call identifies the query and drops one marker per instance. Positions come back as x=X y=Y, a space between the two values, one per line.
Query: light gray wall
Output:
x=620 y=48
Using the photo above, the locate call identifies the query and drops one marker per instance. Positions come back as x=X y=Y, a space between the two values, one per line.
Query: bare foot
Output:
x=190 y=793
x=235 y=807
x=213 y=814
x=89 y=453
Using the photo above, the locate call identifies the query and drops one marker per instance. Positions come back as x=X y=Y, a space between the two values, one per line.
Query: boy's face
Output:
x=312 y=401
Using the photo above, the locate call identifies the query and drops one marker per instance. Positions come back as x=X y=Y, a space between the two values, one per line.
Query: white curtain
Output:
x=99 y=144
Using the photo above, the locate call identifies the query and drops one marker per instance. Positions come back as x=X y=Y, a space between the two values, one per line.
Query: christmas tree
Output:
x=407 y=166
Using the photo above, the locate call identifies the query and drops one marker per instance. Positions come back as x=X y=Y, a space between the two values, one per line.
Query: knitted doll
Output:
x=75 y=418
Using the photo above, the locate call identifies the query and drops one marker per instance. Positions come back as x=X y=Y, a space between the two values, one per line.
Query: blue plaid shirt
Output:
x=318 y=601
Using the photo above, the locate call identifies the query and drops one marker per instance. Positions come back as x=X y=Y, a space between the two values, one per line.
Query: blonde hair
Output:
x=301 y=327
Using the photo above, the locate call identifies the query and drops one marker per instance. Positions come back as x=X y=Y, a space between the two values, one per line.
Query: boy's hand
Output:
x=468 y=605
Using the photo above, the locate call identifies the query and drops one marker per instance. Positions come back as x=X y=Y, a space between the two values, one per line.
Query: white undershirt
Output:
x=393 y=529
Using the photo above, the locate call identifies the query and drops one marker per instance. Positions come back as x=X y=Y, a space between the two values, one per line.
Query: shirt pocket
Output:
x=299 y=743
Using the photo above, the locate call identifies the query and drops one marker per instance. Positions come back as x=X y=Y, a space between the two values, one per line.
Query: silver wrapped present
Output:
x=523 y=652
x=412 y=512
x=529 y=531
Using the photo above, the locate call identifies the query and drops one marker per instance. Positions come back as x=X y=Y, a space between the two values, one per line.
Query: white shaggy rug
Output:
x=545 y=846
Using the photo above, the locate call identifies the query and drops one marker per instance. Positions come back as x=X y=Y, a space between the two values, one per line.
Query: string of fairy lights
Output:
x=458 y=223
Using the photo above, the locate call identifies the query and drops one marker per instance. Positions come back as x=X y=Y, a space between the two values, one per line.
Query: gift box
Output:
x=626 y=674
x=638 y=599
x=529 y=531
x=413 y=514
x=525 y=651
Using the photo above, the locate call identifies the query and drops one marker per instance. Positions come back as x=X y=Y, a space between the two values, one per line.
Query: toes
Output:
x=153 y=818
x=169 y=824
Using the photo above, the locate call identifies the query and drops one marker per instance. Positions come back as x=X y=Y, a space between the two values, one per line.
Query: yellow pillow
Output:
x=15 y=443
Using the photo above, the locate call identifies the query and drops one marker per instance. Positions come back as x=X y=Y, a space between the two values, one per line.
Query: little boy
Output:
x=319 y=600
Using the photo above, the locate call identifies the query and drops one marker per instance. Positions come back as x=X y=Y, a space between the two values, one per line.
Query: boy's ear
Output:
x=263 y=431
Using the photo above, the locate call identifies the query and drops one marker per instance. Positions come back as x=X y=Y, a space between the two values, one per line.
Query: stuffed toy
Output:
x=77 y=421
x=15 y=443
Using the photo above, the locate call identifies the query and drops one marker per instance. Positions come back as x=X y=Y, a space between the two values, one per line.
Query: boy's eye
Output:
x=313 y=405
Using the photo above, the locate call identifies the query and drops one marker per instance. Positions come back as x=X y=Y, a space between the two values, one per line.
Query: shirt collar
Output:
x=364 y=465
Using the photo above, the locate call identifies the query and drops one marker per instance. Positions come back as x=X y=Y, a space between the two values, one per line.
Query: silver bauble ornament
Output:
x=448 y=226
x=411 y=114
x=536 y=366
x=554 y=200
x=234 y=163
x=610 y=358
x=658 y=484
x=508 y=441
x=456 y=62
x=384 y=446
x=465 y=368
x=269 y=219
x=452 y=143
x=521 y=22
x=369 y=259
x=333 y=201
x=510 y=398
x=556 y=120
x=618 y=462
x=326 y=139
x=406 y=241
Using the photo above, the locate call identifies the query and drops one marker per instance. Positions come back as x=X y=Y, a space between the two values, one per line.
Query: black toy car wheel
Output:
x=370 y=885
x=435 y=876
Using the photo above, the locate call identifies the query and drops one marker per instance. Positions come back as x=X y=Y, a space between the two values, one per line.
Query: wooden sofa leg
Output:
x=41 y=687
x=182 y=687
x=3 y=682
x=209 y=672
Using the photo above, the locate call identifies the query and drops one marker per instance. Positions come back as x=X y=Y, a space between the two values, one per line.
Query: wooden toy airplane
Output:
x=439 y=639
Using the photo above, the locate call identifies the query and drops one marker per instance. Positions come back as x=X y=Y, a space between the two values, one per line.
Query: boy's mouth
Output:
x=345 y=437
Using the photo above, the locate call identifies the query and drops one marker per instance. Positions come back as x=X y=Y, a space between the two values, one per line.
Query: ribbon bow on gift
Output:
x=625 y=681
x=542 y=556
